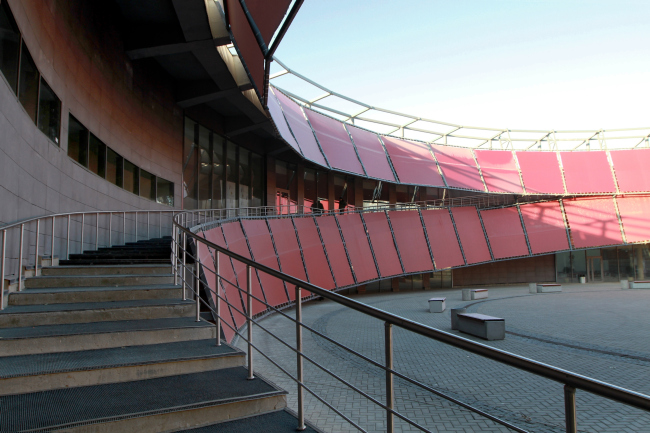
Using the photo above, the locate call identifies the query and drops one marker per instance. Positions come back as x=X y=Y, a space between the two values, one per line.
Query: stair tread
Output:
x=32 y=365
x=46 y=410
x=100 y=328
x=32 y=291
x=281 y=421
x=144 y=265
x=80 y=306
x=80 y=277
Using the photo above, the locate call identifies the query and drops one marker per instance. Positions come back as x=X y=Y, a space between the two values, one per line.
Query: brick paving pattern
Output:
x=597 y=330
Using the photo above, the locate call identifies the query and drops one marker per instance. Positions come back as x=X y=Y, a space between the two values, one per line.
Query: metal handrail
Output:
x=570 y=380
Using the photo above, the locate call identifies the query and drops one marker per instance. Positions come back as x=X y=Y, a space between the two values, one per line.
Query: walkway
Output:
x=597 y=330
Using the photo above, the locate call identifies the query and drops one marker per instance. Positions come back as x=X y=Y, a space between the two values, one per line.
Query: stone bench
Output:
x=640 y=285
x=544 y=287
x=480 y=325
x=472 y=294
x=437 y=305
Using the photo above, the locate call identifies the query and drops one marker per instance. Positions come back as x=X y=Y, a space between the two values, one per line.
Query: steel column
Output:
x=218 y=302
x=249 y=291
x=299 y=367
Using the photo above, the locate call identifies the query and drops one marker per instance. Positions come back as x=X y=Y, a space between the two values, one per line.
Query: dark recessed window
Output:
x=164 y=192
x=97 y=156
x=77 y=141
x=147 y=185
x=9 y=46
x=49 y=112
x=28 y=83
x=114 y=167
x=131 y=177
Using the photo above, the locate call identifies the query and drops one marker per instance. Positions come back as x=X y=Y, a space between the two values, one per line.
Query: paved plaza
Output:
x=597 y=330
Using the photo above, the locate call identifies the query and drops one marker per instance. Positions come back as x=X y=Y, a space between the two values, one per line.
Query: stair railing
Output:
x=218 y=295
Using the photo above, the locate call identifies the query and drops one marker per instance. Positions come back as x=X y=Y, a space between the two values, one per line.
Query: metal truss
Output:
x=388 y=122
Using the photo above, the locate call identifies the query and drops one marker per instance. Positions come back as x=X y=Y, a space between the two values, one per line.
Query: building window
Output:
x=28 y=83
x=190 y=162
x=147 y=185
x=77 y=141
x=257 y=180
x=164 y=192
x=131 y=178
x=205 y=168
x=114 y=167
x=49 y=112
x=97 y=156
x=218 y=167
x=9 y=46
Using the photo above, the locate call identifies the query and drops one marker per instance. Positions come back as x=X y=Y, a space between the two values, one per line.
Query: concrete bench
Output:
x=640 y=285
x=437 y=305
x=480 y=325
x=544 y=287
x=472 y=294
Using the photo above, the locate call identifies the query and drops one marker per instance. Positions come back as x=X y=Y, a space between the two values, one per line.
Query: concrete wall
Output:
x=77 y=48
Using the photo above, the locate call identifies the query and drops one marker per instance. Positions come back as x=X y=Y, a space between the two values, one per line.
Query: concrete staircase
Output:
x=105 y=343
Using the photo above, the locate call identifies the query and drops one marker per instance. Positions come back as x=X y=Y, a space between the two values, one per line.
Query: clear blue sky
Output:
x=504 y=63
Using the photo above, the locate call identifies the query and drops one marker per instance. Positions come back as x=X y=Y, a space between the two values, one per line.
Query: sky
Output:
x=518 y=64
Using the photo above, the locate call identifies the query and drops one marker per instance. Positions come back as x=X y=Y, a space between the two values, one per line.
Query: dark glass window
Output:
x=131 y=177
x=49 y=112
x=231 y=176
x=257 y=180
x=310 y=189
x=114 y=167
x=77 y=141
x=205 y=169
x=165 y=192
x=147 y=185
x=217 y=171
x=190 y=161
x=97 y=156
x=245 y=192
x=9 y=46
x=28 y=83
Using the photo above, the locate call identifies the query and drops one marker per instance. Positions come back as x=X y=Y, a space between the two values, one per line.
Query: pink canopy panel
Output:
x=471 y=234
x=541 y=172
x=382 y=244
x=235 y=319
x=631 y=167
x=236 y=241
x=261 y=244
x=499 y=170
x=442 y=238
x=312 y=250
x=356 y=242
x=246 y=43
x=335 y=142
x=286 y=243
x=413 y=162
x=634 y=211
x=504 y=230
x=301 y=129
x=335 y=250
x=458 y=167
x=587 y=172
x=281 y=122
x=411 y=242
x=268 y=15
x=372 y=154
x=592 y=222
x=545 y=227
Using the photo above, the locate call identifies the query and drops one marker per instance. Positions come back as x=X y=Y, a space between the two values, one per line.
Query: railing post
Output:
x=174 y=254
x=20 y=257
x=184 y=273
x=249 y=291
x=160 y=215
x=83 y=223
x=67 y=241
x=96 y=231
x=124 y=228
x=299 y=366
x=197 y=284
x=38 y=235
x=110 y=229
x=390 y=392
x=148 y=225
x=136 y=226
x=570 y=409
x=218 y=301
x=52 y=243
x=2 y=269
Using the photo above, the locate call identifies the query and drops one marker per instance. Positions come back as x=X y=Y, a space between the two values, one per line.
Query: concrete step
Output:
x=154 y=269
x=153 y=405
x=101 y=335
x=96 y=280
x=66 y=295
x=42 y=372
x=85 y=312
x=93 y=262
x=279 y=421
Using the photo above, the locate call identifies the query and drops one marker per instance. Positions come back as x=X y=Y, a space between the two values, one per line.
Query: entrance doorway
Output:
x=595 y=270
